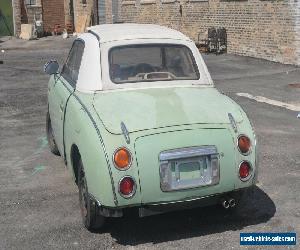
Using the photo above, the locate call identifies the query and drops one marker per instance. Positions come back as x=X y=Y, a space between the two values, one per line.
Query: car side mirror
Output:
x=51 y=67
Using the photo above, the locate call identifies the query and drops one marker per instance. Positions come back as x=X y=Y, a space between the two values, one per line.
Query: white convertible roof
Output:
x=129 y=31
x=94 y=72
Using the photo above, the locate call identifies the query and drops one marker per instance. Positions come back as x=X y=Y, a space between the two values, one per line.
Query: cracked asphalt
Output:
x=39 y=201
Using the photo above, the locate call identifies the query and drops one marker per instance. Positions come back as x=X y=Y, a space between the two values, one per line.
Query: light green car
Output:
x=139 y=123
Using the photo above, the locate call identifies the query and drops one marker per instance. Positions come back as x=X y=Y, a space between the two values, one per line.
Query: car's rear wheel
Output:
x=50 y=137
x=91 y=217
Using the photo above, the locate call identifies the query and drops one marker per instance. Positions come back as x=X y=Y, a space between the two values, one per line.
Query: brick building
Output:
x=258 y=28
x=94 y=12
x=56 y=14
x=50 y=12
x=77 y=14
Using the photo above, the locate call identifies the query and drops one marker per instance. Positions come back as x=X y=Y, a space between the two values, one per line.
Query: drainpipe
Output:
x=297 y=31
x=13 y=3
x=295 y=9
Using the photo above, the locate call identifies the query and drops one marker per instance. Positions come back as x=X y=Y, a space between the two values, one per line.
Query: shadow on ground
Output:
x=131 y=230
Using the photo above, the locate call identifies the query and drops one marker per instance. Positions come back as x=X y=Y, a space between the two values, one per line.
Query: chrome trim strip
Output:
x=113 y=159
x=232 y=122
x=125 y=132
x=255 y=178
x=256 y=163
x=182 y=201
x=95 y=200
x=134 y=187
x=187 y=152
x=191 y=199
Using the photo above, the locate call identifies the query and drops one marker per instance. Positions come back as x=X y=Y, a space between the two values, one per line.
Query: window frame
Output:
x=31 y=2
x=194 y=64
x=68 y=78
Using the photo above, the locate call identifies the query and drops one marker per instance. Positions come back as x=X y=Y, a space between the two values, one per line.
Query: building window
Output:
x=84 y=2
x=30 y=2
x=129 y=2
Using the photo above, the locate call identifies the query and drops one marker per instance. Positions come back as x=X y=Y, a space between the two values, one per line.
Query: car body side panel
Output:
x=80 y=131
x=59 y=91
x=53 y=102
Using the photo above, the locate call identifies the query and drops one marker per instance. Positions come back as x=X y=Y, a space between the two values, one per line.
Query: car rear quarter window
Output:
x=71 y=68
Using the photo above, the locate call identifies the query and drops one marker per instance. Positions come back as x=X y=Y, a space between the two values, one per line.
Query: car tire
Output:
x=91 y=217
x=50 y=137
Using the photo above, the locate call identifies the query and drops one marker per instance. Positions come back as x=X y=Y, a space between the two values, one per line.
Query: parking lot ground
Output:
x=39 y=201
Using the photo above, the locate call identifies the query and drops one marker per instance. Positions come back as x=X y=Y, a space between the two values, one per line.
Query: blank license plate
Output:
x=177 y=174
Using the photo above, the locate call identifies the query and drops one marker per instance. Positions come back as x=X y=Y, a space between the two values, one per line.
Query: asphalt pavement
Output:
x=39 y=201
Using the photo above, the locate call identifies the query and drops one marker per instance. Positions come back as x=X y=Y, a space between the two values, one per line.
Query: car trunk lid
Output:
x=144 y=109
x=180 y=165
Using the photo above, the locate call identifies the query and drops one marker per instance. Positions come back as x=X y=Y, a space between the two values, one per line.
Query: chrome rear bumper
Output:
x=164 y=207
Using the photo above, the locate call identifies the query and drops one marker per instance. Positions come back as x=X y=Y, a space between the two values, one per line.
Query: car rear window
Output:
x=152 y=62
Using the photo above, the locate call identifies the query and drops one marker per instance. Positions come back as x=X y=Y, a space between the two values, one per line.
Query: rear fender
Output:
x=82 y=131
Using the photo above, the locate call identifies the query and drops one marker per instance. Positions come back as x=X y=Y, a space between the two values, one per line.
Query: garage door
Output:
x=6 y=21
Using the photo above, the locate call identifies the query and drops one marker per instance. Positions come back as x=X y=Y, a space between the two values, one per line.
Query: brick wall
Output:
x=53 y=14
x=258 y=28
x=108 y=11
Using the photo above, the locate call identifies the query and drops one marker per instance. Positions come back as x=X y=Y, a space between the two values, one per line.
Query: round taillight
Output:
x=127 y=187
x=244 y=144
x=122 y=158
x=245 y=171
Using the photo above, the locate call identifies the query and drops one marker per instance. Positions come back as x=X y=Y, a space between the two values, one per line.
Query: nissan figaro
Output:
x=136 y=117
